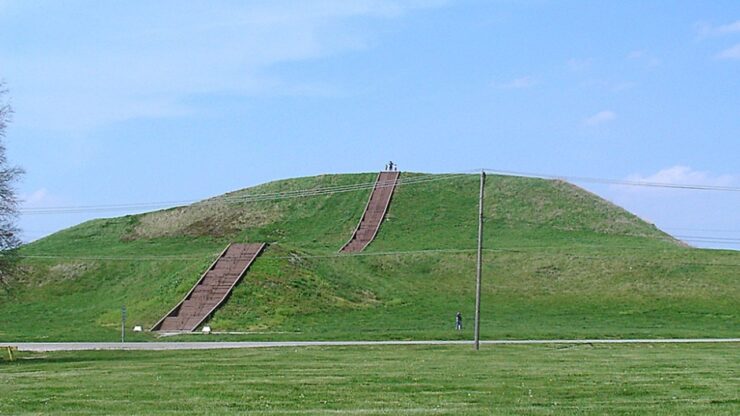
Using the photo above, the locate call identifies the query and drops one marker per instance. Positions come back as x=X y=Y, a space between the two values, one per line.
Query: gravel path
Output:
x=161 y=346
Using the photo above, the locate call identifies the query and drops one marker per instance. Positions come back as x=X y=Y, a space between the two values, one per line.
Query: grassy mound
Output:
x=559 y=262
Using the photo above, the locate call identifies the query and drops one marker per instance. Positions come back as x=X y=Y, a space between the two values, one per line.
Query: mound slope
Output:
x=560 y=262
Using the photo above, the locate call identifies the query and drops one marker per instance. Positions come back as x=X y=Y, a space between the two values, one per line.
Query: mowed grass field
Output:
x=661 y=379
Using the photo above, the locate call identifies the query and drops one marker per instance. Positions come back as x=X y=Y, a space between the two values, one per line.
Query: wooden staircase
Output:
x=375 y=210
x=212 y=289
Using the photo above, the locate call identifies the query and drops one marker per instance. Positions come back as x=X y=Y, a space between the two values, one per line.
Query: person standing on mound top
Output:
x=458 y=321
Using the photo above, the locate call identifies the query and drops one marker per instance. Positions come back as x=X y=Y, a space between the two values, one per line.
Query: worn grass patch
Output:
x=210 y=218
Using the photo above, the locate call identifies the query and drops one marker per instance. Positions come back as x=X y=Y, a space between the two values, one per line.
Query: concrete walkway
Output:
x=162 y=346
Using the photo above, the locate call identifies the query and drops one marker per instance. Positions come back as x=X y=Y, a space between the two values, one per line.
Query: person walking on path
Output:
x=458 y=321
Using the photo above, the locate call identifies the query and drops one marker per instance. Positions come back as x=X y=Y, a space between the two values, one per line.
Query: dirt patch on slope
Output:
x=209 y=218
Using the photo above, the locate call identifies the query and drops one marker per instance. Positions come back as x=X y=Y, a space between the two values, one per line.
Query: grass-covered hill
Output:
x=559 y=263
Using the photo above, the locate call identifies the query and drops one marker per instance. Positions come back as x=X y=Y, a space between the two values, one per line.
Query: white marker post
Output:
x=123 y=323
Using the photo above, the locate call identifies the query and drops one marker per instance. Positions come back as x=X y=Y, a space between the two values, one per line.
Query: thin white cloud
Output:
x=623 y=86
x=517 y=83
x=643 y=56
x=126 y=69
x=733 y=27
x=35 y=197
x=678 y=175
x=579 y=64
x=613 y=86
x=730 y=53
x=705 y=29
x=600 y=118
x=684 y=212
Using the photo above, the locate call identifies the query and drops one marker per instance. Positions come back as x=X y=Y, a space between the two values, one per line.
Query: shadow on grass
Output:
x=70 y=357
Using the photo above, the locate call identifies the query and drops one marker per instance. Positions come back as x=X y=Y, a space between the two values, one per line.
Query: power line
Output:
x=514 y=250
x=330 y=190
x=116 y=258
x=708 y=240
x=360 y=186
x=694 y=237
x=704 y=230
x=243 y=199
x=667 y=237
x=616 y=181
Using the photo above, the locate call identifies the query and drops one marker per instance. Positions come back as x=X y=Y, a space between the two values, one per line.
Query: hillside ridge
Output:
x=559 y=262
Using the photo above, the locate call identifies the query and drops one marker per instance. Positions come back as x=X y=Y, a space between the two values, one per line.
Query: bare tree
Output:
x=9 y=175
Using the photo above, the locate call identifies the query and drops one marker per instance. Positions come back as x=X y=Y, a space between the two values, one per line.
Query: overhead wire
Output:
x=335 y=189
x=709 y=240
x=450 y=251
x=299 y=193
x=691 y=239
x=616 y=181
x=708 y=230
x=735 y=240
x=247 y=198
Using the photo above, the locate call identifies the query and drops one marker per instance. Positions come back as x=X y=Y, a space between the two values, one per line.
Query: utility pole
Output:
x=479 y=265
x=123 y=323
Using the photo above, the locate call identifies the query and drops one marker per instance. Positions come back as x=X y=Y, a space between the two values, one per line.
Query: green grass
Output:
x=561 y=263
x=507 y=380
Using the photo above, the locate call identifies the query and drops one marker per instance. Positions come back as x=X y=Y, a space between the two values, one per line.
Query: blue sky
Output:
x=120 y=102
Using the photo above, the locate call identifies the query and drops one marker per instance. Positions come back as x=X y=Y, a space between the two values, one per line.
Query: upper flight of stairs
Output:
x=375 y=211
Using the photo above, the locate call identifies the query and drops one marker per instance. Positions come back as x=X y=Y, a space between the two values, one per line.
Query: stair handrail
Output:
x=202 y=276
x=385 y=208
x=228 y=292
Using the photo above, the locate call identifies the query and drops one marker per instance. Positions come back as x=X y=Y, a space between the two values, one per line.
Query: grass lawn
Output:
x=538 y=380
